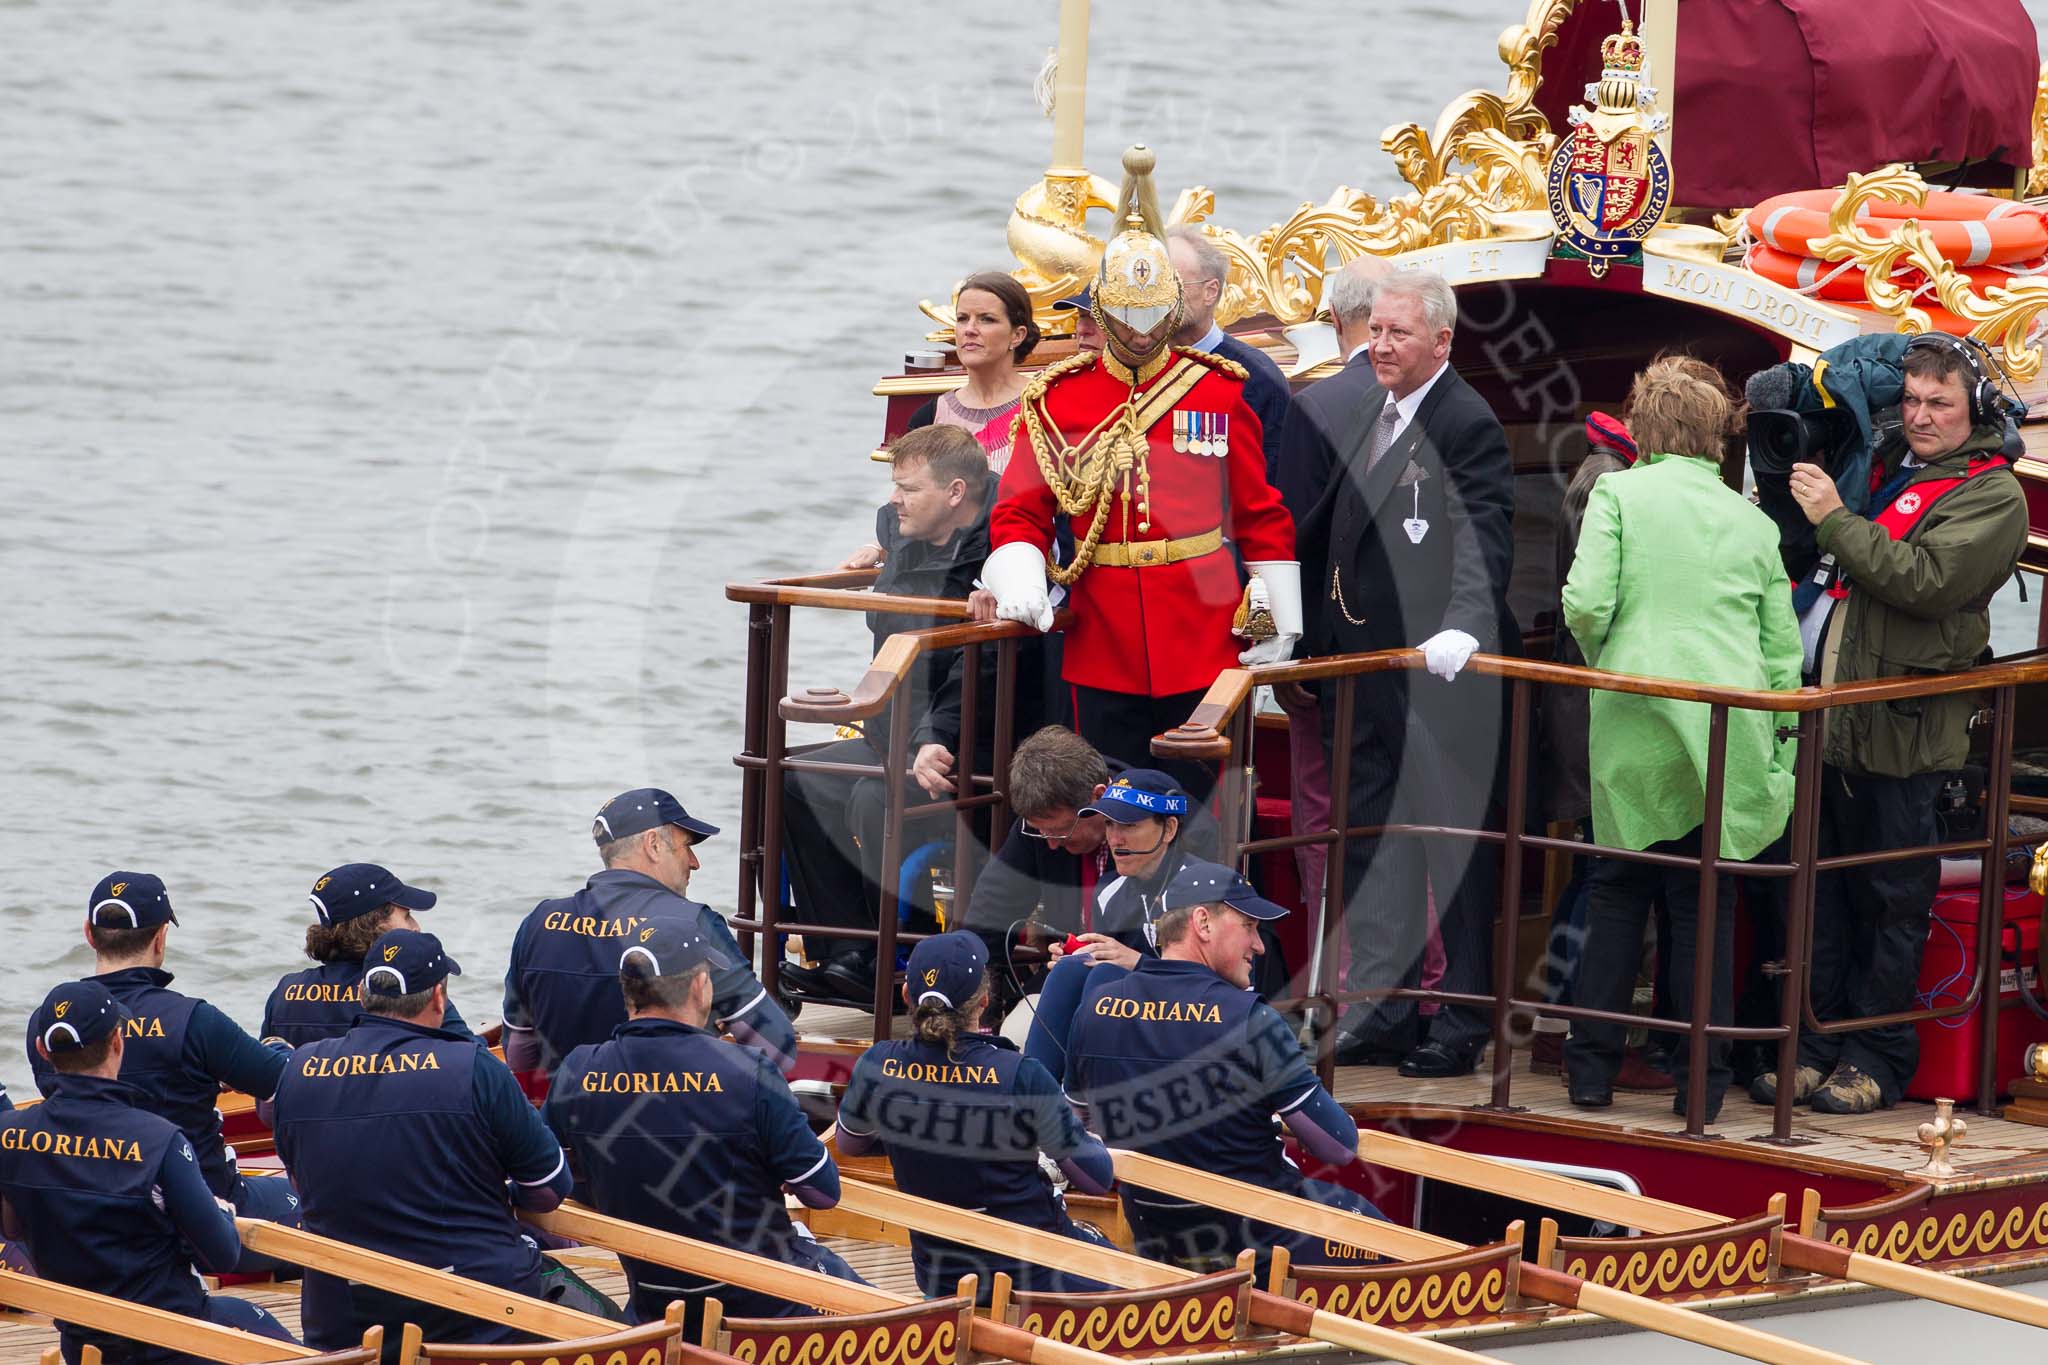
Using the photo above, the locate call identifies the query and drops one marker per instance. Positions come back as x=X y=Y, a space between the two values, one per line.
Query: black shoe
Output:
x=1713 y=1107
x=1590 y=1094
x=796 y=980
x=1432 y=1060
x=848 y=978
x=1351 y=1049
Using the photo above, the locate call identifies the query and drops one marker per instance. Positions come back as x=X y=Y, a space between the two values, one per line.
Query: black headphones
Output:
x=1985 y=405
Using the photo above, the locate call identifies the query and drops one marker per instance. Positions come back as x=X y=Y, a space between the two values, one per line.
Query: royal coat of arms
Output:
x=1609 y=181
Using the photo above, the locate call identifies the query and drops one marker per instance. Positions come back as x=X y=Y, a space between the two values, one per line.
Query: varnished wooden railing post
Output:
x=894 y=766
x=1706 y=925
x=1507 y=927
x=1991 y=906
x=772 y=778
x=1798 y=914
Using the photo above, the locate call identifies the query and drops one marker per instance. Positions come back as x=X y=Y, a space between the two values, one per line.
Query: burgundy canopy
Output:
x=1777 y=95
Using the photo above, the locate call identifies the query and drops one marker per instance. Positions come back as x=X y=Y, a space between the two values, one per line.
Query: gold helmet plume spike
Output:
x=1138 y=195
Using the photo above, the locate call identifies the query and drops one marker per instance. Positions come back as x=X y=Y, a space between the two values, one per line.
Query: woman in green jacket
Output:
x=1677 y=576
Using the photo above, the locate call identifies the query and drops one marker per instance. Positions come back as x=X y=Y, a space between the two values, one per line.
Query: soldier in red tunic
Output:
x=1154 y=455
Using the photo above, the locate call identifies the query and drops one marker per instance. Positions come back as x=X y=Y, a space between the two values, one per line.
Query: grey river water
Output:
x=387 y=390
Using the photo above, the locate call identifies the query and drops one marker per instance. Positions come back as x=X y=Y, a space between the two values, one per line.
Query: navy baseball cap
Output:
x=947 y=968
x=1140 y=794
x=1082 y=301
x=75 y=1015
x=642 y=809
x=1200 y=883
x=363 y=888
x=670 y=948
x=130 y=900
x=404 y=961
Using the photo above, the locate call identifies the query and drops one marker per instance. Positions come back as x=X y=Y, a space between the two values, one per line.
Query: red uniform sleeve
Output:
x=1255 y=518
x=1024 y=505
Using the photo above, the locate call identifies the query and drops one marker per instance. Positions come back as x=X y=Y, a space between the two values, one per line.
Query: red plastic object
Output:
x=1948 y=1047
x=1075 y=943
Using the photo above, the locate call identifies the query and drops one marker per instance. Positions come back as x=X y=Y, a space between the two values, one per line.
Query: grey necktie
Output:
x=1382 y=435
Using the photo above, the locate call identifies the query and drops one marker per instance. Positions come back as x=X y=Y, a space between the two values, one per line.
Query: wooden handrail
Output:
x=173 y=1331
x=1201 y=735
x=482 y=1301
x=892 y=664
x=785 y=1281
x=1795 y=1250
x=1122 y=1269
x=1537 y=1282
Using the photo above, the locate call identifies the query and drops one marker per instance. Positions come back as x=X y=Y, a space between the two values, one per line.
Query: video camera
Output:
x=1781 y=437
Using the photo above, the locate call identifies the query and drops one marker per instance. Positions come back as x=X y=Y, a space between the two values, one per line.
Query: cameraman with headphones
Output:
x=1946 y=525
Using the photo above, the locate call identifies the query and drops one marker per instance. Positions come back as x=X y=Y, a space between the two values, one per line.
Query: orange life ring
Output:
x=1938 y=318
x=1969 y=229
x=1845 y=284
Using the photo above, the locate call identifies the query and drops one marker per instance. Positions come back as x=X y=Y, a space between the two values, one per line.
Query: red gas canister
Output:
x=1948 y=1047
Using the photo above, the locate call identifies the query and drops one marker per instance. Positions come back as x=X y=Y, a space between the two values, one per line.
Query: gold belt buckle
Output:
x=1148 y=552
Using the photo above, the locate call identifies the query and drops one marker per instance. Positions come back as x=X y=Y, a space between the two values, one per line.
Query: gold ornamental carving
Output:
x=1400 y=1300
x=914 y=1343
x=1935 y=1237
x=1161 y=1325
x=1485 y=157
x=2037 y=178
x=1701 y=1269
x=2004 y=317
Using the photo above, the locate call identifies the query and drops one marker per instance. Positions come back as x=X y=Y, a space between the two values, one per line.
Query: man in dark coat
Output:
x=1203 y=272
x=1405 y=499
x=933 y=533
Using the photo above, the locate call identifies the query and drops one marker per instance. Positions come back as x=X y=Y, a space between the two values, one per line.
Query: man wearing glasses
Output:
x=1053 y=859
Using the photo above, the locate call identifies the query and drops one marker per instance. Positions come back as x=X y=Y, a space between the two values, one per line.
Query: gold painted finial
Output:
x=1938 y=1136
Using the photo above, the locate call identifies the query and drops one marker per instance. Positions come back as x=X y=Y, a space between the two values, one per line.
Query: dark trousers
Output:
x=1401 y=773
x=832 y=837
x=1870 y=923
x=1121 y=725
x=1619 y=896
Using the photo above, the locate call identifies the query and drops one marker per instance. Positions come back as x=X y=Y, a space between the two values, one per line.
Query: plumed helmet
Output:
x=1137 y=284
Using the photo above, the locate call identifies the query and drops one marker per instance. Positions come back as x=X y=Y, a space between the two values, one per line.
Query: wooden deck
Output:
x=1882 y=1142
x=1885 y=1141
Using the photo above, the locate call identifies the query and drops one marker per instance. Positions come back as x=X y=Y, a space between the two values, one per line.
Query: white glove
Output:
x=1015 y=573
x=1447 y=651
x=1282 y=579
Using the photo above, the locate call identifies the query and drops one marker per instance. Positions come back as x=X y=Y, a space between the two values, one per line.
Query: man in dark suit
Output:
x=1202 y=272
x=1399 y=477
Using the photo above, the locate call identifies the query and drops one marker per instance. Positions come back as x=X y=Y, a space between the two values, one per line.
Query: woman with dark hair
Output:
x=355 y=904
x=993 y=334
x=963 y=1118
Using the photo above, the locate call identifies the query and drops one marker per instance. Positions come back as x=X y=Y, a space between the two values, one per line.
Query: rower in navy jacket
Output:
x=676 y=1128
x=355 y=903
x=964 y=1117
x=413 y=1141
x=560 y=990
x=1180 y=1060
x=181 y=1050
x=108 y=1196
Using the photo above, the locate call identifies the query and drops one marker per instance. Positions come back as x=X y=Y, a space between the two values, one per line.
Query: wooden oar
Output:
x=477 y=1300
x=172 y=1331
x=1126 y=1271
x=790 y=1282
x=1801 y=1252
x=1538 y=1282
